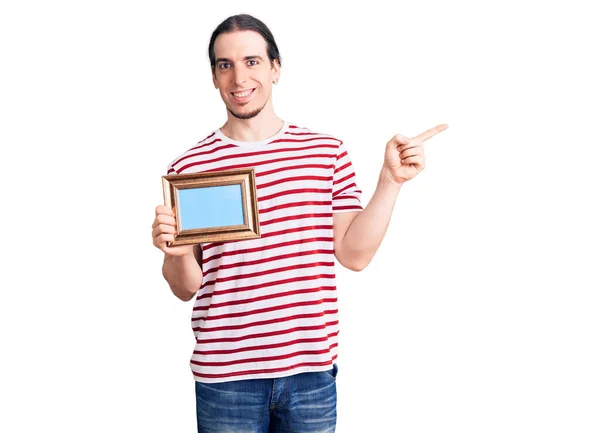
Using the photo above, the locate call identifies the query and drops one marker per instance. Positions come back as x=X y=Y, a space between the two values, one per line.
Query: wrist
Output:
x=386 y=180
x=179 y=255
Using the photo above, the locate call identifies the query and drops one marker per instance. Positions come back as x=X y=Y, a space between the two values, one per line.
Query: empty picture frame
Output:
x=216 y=206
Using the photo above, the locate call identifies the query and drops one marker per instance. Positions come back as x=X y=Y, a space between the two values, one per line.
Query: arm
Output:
x=184 y=273
x=181 y=267
x=357 y=235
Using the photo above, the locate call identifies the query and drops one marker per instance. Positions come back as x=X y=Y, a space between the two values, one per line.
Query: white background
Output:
x=479 y=313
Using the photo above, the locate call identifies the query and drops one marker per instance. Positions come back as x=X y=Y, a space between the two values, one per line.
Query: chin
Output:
x=248 y=114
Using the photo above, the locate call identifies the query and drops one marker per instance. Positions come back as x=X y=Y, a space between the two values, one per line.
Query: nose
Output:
x=240 y=76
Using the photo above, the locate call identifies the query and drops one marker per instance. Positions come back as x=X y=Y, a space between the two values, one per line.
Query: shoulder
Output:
x=209 y=144
x=297 y=131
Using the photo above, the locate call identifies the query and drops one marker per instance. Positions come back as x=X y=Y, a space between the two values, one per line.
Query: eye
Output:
x=224 y=65
x=252 y=62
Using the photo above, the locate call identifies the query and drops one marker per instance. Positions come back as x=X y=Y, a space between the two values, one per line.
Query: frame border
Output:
x=243 y=177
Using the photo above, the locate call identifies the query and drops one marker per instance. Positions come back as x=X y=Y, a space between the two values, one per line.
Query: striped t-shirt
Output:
x=267 y=307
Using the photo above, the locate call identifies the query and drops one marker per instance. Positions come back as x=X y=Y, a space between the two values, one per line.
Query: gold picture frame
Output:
x=214 y=206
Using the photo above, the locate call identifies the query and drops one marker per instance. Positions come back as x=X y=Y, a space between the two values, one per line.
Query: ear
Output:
x=214 y=78
x=276 y=69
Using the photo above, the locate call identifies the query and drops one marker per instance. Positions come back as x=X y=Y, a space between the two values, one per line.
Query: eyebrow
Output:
x=222 y=59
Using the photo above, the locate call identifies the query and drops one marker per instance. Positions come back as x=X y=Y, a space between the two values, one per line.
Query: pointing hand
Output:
x=404 y=157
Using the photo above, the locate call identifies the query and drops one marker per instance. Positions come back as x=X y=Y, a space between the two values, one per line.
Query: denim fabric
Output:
x=302 y=403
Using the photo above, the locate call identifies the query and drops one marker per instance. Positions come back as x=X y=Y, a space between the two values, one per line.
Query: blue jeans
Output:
x=302 y=403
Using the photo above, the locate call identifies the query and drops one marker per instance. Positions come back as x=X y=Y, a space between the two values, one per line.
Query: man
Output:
x=265 y=312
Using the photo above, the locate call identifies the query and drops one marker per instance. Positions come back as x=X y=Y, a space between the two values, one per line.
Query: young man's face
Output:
x=243 y=73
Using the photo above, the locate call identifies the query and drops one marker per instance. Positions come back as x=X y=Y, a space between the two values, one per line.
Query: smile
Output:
x=243 y=96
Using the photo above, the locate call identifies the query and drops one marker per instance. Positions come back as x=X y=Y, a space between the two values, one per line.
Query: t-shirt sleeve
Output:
x=170 y=170
x=346 y=196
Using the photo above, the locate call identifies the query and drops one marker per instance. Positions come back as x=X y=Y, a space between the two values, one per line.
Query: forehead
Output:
x=240 y=44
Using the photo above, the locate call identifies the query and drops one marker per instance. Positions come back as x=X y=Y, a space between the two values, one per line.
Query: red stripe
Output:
x=266 y=310
x=343 y=189
x=356 y=207
x=282 y=232
x=256 y=164
x=265 y=247
x=263 y=298
x=295 y=167
x=264 y=358
x=206 y=144
x=257 y=286
x=320 y=137
x=296 y=217
x=348 y=164
x=303 y=133
x=267 y=272
x=267 y=152
x=295 y=204
x=341 y=155
x=265 y=370
x=208 y=152
x=335 y=182
x=293 y=179
x=266 y=346
x=297 y=229
x=271 y=333
x=268 y=259
x=294 y=191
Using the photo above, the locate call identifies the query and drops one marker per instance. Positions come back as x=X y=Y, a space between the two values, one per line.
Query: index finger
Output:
x=430 y=132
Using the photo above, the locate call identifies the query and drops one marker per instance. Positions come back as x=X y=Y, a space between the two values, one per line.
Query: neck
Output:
x=260 y=127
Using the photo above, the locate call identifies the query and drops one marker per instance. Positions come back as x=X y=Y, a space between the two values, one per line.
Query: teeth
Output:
x=243 y=94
